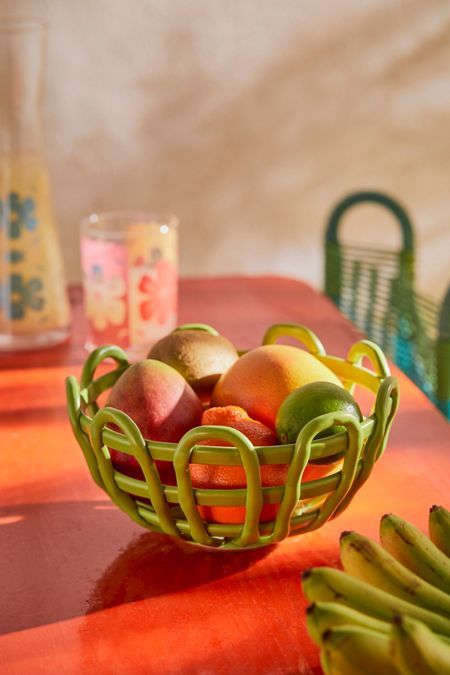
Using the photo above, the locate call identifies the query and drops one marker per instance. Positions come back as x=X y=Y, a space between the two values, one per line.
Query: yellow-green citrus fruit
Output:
x=310 y=401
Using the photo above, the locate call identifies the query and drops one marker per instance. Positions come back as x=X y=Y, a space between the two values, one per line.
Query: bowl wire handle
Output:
x=254 y=498
x=74 y=408
x=297 y=331
x=140 y=451
x=386 y=405
x=367 y=348
x=302 y=452
x=92 y=362
x=363 y=348
x=197 y=326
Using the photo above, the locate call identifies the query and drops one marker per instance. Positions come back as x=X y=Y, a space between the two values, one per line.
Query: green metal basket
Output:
x=302 y=506
x=375 y=288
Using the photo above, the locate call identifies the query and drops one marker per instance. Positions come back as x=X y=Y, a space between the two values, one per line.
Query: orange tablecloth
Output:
x=84 y=590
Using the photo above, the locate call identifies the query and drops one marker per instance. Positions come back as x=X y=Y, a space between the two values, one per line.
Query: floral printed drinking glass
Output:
x=130 y=277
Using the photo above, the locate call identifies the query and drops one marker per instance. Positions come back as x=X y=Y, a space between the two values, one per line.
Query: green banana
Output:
x=414 y=550
x=353 y=650
x=320 y=616
x=416 y=650
x=366 y=560
x=439 y=528
x=329 y=584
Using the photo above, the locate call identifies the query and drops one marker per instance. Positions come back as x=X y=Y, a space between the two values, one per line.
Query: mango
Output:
x=163 y=406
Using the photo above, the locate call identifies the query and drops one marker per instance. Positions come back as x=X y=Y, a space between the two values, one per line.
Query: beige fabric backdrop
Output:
x=249 y=119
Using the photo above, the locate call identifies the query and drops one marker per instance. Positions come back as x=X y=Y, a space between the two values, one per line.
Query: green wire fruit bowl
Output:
x=179 y=510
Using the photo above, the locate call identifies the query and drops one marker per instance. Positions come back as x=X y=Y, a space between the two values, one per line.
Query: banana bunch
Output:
x=389 y=611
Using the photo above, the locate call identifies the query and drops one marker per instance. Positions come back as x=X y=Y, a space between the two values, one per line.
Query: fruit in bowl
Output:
x=262 y=378
x=211 y=476
x=300 y=407
x=163 y=406
x=201 y=356
x=308 y=402
x=158 y=394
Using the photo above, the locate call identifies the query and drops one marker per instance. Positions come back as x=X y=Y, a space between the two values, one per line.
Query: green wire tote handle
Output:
x=333 y=245
x=443 y=356
x=374 y=198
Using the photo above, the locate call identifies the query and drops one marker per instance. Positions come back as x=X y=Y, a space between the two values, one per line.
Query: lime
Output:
x=310 y=401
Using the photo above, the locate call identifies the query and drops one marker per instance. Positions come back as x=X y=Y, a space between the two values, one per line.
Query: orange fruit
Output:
x=262 y=378
x=227 y=477
x=237 y=418
x=210 y=476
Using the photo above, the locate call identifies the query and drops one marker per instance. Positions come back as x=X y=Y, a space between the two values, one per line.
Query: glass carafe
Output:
x=34 y=309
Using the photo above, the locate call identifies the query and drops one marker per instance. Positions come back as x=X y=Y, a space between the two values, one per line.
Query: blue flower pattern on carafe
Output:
x=19 y=294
